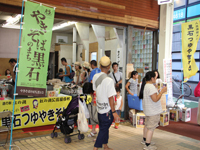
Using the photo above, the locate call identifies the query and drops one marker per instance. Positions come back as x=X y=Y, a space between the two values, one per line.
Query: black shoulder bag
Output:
x=120 y=85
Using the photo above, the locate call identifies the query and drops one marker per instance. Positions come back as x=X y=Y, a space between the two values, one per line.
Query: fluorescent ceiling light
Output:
x=62 y=25
x=12 y=26
x=12 y=21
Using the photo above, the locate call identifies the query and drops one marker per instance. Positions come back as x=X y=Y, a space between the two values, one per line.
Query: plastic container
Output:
x=57 y=90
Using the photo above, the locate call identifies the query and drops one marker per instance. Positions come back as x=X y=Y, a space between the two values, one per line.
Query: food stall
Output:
x=38 y=111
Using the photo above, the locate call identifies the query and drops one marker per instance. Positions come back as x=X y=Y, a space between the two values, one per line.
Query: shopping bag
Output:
x=82 y=121
x=197 y=90
x=86 y=111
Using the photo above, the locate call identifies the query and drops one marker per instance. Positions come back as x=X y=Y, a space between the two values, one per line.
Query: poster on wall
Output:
x=167 y=66
x=35 y=48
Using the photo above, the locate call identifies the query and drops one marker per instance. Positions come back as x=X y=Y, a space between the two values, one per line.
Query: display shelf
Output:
x=142 y=49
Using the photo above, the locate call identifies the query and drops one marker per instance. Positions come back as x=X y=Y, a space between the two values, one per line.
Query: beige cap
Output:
x=77 y=64
x=86 y=65
x=105 y=61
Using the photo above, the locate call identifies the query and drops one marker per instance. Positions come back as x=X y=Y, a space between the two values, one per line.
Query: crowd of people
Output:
x=107 y=102
x=105 y=88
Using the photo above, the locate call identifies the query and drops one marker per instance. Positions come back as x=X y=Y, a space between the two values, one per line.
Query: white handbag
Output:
x=82 y=121
x=86 y=111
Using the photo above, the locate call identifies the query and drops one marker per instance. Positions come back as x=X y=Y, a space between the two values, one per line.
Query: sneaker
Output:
x=152 y=143
x=150 y=147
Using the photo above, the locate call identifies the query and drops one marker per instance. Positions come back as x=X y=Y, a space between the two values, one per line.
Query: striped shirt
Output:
x=150 y=107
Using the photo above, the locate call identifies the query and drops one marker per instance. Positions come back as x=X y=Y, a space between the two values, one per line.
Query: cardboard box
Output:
x=4 y=77
x=174 y=115
x=129 y=69
x=57 y=47
x=164 y=119
x=186 y=114
x=51 y=93
x=163 y=101
x=53 y=81
x=140 y=120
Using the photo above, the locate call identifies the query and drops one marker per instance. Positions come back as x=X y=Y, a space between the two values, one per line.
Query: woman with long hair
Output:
x=152 y=108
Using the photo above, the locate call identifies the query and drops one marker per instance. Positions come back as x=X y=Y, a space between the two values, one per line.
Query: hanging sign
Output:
x=190 y=37
x=34 y=53
x=167 y=66
x=34 y=112
x=160 y=2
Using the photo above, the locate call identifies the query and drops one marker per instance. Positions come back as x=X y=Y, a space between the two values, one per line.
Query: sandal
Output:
x=90 y=135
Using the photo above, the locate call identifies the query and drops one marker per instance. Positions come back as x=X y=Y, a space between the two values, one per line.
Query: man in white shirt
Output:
x=116 y=75
x=105 y=90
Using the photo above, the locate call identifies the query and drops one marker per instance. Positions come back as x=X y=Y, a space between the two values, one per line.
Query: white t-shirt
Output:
x=119 y=101
x=150 y=107
x=105 y=90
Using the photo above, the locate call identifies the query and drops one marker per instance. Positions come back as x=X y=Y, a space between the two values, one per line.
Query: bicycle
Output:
x=187 y=88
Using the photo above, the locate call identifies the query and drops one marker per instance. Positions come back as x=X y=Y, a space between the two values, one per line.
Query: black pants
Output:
x=105 y=121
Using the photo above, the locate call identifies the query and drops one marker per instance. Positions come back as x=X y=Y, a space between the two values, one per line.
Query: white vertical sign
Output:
x=118 y=53
x=167 y=65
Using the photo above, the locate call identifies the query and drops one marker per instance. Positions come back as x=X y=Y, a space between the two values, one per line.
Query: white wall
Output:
x=53 y=41
x=92 y=37
x=65 y=51
x=109 y=44
x=112 y=45
x=9 y=39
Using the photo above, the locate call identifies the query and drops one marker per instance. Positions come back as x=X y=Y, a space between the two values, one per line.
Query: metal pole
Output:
x=181 y=64
x=16 y=75
x=124 y=49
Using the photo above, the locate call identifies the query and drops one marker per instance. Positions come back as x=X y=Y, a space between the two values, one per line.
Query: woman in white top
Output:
x=152 y=108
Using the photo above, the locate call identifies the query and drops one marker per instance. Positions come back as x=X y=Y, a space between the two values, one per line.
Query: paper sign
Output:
x=167 y=65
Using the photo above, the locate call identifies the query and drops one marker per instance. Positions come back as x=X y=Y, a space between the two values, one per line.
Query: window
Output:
x=179 y=3
x=94 y=56
x=192 y=1
x=193 y=10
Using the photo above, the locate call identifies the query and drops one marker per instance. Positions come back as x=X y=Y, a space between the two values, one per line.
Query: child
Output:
x=133 y=82
x=152 y=108
x=118 y=103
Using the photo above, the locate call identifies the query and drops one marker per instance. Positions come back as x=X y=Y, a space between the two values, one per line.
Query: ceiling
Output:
x=5 y=15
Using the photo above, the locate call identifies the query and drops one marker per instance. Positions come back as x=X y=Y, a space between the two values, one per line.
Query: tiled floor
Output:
x=124 y=138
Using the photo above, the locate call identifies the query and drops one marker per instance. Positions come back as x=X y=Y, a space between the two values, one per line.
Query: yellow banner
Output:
x=34 y=112
x=190 y=37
